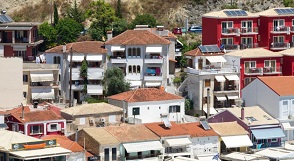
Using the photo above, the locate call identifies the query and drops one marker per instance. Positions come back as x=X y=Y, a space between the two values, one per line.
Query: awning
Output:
x=41 y=76
x=237 y=141
x=135 y=83
x=220 y=96
x=75 y=75
x=220 y=78
x=19 y=47
x=153 y=49
x=287 y=126
x=117 y=48
x=276 y=153
x=212 y=110
x=40 y=153
x=94 y=90
x=270 y=133
x=95 y=73
x=42 y=93
x=178 y=41
x=153 y=84
x=15 y=28
x=94 y=57
x=232 y=77
x=76 y=58
x=143 y=146
x=216 y=59
x=232 y=96
x=178 y=142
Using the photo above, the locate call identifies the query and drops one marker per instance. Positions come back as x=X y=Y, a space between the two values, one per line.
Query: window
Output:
x=24 y=94
x=227 y=41
x=134 y=69
x=134 y=52
x=56 y=60
x=251 y=119
x=285 y=110
x=247 y=40
x=248 y=80
x=25 y=78
x=207 y=82
x=278 y=39
x=136 y=110
x=292 y=22
x=270 y=63
x=292 y=106
x=174 y=108
x=106 y=154
x=130 y=69
x=250 y=64
x=274 y=140
x=20 y=54
x=53 y=127
x=226 y=25
x=246 y=26
x=113 y=152
x=278 y=23
x=138 y=69
x=138 y=53
x=82 y=121
x=35 y=129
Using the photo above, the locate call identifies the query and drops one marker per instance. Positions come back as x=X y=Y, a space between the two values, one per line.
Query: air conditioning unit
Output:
x=102 y=119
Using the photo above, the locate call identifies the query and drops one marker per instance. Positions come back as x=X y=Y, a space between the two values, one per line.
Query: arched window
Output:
x=134 y=68
x=138 y=69
x=129 y=52
x=138 y=53
x=134 y=52
x=130 y=69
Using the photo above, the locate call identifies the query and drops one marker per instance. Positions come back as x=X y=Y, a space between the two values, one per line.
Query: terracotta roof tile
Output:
x=143 y=37
x=37 y=116
x=196 y=130
x=145 y=94
x=89 y=47
x=228 y=128
x=16 y=110
x=282 y=85
x=132 y=133
x=197 y=52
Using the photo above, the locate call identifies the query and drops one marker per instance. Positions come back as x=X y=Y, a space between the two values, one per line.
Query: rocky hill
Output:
x=169 y=12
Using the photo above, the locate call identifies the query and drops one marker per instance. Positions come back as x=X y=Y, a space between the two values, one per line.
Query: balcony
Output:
x=253 y=71
x=272 y=70
x=280 y=30
x=143 y=157
x=249 y=31
x=280 y=46
x=249 y=46
x=154 y=60
x=95 y=73
x=153 y=77
x=77 y=86
x=232 y=47
x=118 y=59
x=231 y=31
x=210 y=71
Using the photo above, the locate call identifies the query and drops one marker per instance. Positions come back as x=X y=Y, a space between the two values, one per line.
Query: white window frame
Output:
x=285 y=109
x=227 y=41
x=83 y=120
x=250 y=64
x=32 y=131
x=279 y=22
x=246 y=40
x=227 y=25
x=270 y=63
x=247 y=24
x=248 y=80
x=292 y=107
x=278 y=39
x=50 y=127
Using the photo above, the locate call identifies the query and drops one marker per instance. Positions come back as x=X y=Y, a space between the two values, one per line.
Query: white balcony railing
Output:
x=95 y=73
x=118 y=59
x=148 y=77
x=231 y=31
x=249 y=30
x=210 y=71
x=280 y=29
x=280 y=45
x=154 y=61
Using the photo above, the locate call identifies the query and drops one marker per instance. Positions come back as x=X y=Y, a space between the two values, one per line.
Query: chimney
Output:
x=22 y=111
x=242 y=113
x=109 y=35
x=208 y=102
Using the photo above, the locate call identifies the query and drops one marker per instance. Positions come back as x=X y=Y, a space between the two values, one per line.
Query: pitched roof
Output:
x=192 y=129
x=288 y=52
x=228 y=128
x=222 y=14
x=262 y=118
x=33 y=116
x=272 y=13
x=137 y=37
x=197 y=52
x=132 y=133
x=16 y=110
x=254 y=53
x=144 y=95
x=95 y=108
x=101 y=135
x=86 y=47
x=282 y=85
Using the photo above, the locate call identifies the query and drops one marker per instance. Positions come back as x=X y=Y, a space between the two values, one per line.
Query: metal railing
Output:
x=230 y=31
x=280 y=45
x=232 y=47
x=254 y=71
x=272 y=70
x=249 y=46
x=249 y=30
x=280 y=29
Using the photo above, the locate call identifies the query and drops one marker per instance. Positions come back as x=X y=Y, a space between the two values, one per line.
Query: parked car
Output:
x=195 y=29
x=177 y=31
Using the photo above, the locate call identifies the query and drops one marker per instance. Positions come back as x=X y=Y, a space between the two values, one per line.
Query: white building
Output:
x=11 y=82
x=145 y=105
x=94 y=53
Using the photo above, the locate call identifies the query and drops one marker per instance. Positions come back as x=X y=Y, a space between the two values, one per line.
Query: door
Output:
x=77 y=96
x=106 y=154
x=200 y=64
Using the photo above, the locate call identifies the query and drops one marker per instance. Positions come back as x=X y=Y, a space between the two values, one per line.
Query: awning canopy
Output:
x=75 y=75
x=40 y=153
x=42 y=93
x=135 y=83
x=237 y=141
x=276 y=153
x=178 y=142
x=287 y=126
x=232 y=96
x=117 y=48
x=153 y=84
x=95 y=73
x=270 y=133
x=154 y=49
x=220 y=96
x=220 y=78
x=143 y=146
x=212 y=110
x=41 y=76
x=19 y=47
x=76 y=58
x=94 y=57
x=216 y=59
x=232 y=77
x=94 y=90
x=15 y=28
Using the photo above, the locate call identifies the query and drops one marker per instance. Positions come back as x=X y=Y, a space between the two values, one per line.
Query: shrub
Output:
x=94 y=100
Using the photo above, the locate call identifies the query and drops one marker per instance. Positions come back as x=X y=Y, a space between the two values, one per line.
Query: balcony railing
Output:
x=280 y=29
x=280 y=45
x=232 y=47
x=230 y=31
x=272 y=70
x=247 y=31
x=153 y=77
x=253 y=71
x=118 y=59
x=249 y=46
x=210 y=71
x=154 y=60
x=218 y=88
x=140 y=157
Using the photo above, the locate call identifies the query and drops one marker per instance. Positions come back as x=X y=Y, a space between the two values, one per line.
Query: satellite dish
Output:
x=3 y=11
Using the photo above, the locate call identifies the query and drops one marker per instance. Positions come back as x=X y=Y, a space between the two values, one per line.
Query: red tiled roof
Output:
x=145 y=94
x=33 y=116
x=137 y=37
x=16 y=110
x=282 y=85
x=196 y=130
x=197 y=52
x=87 y=47
x=66 y=143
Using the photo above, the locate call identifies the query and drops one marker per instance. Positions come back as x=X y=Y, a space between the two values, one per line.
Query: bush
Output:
x=288 y=3
x=94 y=100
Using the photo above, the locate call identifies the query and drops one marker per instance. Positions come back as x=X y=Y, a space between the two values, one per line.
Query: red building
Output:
x=237 y=29
x=288 y=61
x=36 y=123
x=255 y=62
x=18 y=39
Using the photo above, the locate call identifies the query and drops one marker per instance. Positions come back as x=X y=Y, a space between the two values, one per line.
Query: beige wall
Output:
x=11 y=85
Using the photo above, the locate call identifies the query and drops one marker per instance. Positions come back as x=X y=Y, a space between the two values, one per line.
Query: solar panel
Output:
x=166 y=122
x=284 y=11
x=243 y=12
x=205 y=125
x=228 y=13
x=209 y=48
x=5 y=18
x=235 y=13
x=203 y=49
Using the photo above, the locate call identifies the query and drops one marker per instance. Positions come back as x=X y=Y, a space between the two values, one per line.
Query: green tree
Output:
x=48 y=33
x=102 y=15
x=84 y=75
x=68 y=30
x=55 y=15
x=118 y=9
x=96 y=33
x=114 y=81
x=119 y=26
x=144 y=19
x=288 y=3
x=75 y=13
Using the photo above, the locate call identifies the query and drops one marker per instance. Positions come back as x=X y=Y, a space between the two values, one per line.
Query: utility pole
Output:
x=208 y=102
x=70 y=78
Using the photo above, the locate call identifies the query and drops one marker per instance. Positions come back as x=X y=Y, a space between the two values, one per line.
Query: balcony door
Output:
x=247 y=42
x=247 y=25
x=227 y=41
x=250 y=64
x=278 y=23
x=278 y=39
x=226 y=25
x=270 y=64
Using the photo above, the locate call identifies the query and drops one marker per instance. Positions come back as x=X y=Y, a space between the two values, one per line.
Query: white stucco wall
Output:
x=11 y=82
x=204 y=145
